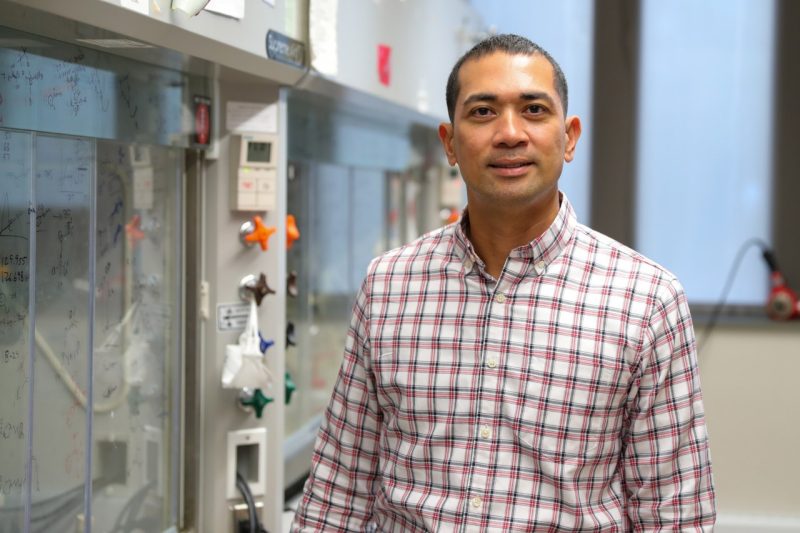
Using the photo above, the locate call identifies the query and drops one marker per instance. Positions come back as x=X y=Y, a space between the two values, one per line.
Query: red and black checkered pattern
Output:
x=562 y=396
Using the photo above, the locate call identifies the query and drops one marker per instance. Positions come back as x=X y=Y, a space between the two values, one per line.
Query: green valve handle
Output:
x=290 y=387
x=255 y=399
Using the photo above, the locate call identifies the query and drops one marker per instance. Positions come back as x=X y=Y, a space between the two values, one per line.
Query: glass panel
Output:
x=133 y=341
x=330 y=220
x=136 y=332
x=15 y=198
x=367 y=233
x=343 y=232
x=356 y=188
x=705 y=148
x=323 y=264
x=395 y=211
x=65 y=88
x=297 y=366
x=63 y=169
x=325 y=131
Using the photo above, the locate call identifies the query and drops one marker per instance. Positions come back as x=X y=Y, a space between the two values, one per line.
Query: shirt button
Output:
x=491 y=363
x=476 y=502
x=500 y=298
x=539 y=267
x=486 y=432
x=468 y=265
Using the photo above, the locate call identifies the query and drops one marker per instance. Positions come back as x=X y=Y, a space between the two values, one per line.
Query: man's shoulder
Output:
x=616 y=260
x=430 y=250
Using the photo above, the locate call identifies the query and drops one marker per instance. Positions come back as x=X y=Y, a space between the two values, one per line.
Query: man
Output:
x=515 y=371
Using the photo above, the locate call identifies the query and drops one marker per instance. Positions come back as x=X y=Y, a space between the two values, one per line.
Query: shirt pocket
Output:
x=572 y=408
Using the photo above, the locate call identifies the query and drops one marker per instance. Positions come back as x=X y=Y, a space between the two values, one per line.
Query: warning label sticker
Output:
x=232 y=316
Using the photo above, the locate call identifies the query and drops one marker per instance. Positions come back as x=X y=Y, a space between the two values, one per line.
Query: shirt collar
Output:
x=544 y=249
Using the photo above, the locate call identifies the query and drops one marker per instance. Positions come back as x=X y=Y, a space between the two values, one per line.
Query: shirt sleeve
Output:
x=339 y=492
x=666 y=461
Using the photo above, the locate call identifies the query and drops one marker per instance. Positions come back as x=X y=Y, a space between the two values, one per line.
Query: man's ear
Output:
x=573 y=133
x=446 y=136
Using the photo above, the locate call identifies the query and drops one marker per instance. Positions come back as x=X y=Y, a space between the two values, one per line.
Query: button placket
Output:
x=488 y=407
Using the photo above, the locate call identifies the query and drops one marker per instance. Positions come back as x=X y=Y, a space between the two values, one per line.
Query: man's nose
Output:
x=510 y=131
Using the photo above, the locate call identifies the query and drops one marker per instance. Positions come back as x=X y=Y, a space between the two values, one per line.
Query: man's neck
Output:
x=494 y=230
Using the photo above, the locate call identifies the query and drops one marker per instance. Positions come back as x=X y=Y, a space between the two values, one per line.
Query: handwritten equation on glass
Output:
x=45 y=254
x=80 y=91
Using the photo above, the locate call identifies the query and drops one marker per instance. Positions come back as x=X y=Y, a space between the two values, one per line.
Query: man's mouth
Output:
x=510 y=165
x=511 y=168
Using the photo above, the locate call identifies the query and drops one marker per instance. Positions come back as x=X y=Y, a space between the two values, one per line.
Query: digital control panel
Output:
x=254 y=173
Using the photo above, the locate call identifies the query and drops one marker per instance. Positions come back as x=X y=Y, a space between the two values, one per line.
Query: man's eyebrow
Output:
x=480 y=97
x=491 y=97
x=538 y=96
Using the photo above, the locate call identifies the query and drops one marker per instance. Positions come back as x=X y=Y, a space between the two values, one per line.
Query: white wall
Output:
x=426 y=39
x=750 y=386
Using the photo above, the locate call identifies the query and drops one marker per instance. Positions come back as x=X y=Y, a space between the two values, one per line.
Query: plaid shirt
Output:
x=562 y=396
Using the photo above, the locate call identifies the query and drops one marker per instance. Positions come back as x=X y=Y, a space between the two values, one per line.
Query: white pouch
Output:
x=245 y=365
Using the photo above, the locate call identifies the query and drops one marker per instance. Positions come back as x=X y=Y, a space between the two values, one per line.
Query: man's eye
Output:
x=535 y=109
x=482 y=112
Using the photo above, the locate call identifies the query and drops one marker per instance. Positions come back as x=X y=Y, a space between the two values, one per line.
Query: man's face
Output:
x=509 y=135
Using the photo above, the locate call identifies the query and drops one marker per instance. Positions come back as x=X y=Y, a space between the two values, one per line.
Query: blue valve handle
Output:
x=264 y=344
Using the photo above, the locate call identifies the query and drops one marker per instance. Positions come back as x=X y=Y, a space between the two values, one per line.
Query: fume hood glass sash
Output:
x=90 y=304
x=66 y=88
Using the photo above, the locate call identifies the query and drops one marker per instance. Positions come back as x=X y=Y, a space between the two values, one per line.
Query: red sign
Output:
x=202 y=120
x=384 y=63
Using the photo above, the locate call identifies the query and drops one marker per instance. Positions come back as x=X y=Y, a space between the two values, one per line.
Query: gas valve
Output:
x=290 y=387
x=255 y=400
x=254 y=287
x=292 y=232
x=254 y=231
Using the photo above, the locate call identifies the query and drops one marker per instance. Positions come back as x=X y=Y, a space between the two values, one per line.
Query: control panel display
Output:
x=259 y=152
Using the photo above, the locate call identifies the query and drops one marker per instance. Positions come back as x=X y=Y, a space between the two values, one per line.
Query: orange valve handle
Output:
x=259 y=233
x=292 y=232
x=134 y=230
x=453 y=216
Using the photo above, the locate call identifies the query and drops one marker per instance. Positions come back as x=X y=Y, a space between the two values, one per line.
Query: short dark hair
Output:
x=510 y=44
